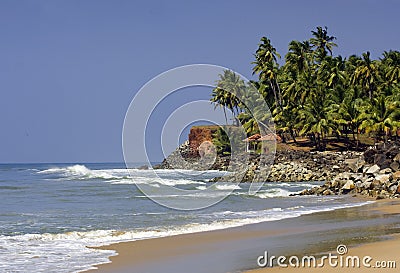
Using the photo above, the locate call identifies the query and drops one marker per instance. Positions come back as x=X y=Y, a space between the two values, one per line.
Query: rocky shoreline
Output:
x=377 y=176
x=374 y=173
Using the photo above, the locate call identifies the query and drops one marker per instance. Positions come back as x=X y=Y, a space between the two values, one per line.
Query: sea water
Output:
x=51 y=214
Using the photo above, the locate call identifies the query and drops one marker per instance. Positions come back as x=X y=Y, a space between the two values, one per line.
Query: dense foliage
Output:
x=317 y=94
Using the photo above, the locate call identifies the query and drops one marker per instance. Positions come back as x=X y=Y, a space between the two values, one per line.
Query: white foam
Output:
x=134 y=176
x=225 y=187
x=81 y=172
x=275 y=192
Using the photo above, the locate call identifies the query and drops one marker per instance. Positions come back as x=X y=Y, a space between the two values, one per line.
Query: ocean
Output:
x=51 y=214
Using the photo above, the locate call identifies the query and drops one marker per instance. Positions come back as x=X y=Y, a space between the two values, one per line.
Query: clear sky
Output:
x=69 y=69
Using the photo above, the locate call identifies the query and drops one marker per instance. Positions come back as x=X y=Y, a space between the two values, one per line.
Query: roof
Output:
x=268 y=137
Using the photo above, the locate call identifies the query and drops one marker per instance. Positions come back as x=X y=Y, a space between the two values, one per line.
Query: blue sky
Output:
x=69 y=69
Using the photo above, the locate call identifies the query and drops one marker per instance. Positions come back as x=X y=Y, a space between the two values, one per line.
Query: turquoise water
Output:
x=50 y=213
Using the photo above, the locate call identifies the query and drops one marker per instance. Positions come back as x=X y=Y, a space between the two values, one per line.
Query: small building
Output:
x=252 y=141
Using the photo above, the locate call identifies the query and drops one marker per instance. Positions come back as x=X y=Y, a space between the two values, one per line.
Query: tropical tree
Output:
x=228 y=91
x=382 y=116
x=391 y=61
x=366 y=74
x=266 y=66
x=299 y=56
x=315 y=93
x=322 y=43
x=351 y=113
x=316 y=119
x=298 y=78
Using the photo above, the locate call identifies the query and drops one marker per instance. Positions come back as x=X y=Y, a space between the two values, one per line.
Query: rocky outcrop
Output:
x=378 y=176
x=297 y=166
x=374 y=173
x=182 y=158
x=198 y=135
x=288 y=166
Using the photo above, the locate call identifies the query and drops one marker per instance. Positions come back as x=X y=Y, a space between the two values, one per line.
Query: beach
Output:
x=365 y=230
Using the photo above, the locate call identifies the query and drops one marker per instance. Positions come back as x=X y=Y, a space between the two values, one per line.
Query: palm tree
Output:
x=221 y=98
x=315 y=93
x=298 y=56
x=322 y=42
x=366 y=74
x=382 y=116
x=228 y=91
x=316 y=117
x=334 y=69
x=249 y=123
x=266 y=66
x=351 y=112
x=286 y=119
x=297 y=75
x=391 y=62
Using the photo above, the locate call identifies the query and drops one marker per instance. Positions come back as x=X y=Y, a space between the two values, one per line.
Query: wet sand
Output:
x=237 y=249
x=383 y=254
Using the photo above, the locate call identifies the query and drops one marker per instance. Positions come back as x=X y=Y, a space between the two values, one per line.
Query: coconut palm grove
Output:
x=316 y=95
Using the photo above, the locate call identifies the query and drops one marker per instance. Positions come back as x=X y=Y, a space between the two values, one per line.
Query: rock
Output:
x=355 y=177
x=366 y=185
x=396 y=175
x=359 y=184
x=348 y=186
x=386 y=163
x=327 y=192
x=379 y=159
x=370 y=179
x=397 y=158
x=144 y=167
x=308 y=176
x=305 y=192
x=392 y=151
x=398 y=190
x=354 y=164
x=380 y=197
x=395 y=166
x=373 y=169
x=384 y=171
x=369 y=156
x=375 y=185
x=334 y=183
x=393 y=188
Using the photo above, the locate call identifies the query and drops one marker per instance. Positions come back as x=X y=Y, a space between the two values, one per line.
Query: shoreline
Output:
x=238 y=247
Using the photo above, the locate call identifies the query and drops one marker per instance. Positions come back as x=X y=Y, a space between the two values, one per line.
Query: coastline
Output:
x=237 y=248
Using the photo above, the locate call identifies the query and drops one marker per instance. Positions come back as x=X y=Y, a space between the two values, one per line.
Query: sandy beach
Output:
x=367 y=230
x=382 y=252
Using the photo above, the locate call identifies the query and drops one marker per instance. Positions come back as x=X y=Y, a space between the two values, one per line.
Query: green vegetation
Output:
x=228 y=139
x=318 y=95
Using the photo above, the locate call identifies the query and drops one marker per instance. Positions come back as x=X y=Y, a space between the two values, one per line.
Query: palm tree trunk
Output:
x=318 y=142
x=275 y=96
x=292 y=134
x=279 y=93
x=226 y=119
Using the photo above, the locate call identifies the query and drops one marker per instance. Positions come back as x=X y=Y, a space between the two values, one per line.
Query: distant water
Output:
x=50 y=213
